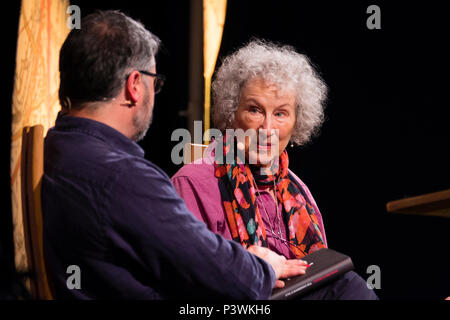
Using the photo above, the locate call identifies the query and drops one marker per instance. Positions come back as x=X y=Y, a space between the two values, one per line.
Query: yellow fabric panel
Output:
x=214 y=12
x=42 y=30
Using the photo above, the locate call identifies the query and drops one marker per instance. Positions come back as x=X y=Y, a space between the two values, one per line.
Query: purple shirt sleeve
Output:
x=196 y=185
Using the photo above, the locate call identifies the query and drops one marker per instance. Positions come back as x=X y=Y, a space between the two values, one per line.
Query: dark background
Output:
x=386 y=134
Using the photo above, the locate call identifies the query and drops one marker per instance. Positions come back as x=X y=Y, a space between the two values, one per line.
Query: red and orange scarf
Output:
x=237 y=185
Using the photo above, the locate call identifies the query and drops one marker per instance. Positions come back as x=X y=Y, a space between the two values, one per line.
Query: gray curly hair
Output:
x=280 y=65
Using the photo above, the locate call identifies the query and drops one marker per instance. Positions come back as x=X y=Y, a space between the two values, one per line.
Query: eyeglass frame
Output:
x=159 y=79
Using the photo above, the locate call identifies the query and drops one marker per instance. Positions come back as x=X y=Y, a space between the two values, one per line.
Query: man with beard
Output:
x=114 y=227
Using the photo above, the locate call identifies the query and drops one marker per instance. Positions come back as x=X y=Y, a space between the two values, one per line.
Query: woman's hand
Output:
x=283 y=267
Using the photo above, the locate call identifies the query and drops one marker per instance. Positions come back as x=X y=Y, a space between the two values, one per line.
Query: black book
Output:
x=325 y=266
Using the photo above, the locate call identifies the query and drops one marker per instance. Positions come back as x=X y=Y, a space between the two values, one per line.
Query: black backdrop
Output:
x=386 y=134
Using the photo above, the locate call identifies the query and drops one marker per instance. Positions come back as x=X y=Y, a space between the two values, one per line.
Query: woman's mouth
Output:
x=264 y=146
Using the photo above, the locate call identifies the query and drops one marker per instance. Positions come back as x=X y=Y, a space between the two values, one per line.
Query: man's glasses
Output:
x=159 y=79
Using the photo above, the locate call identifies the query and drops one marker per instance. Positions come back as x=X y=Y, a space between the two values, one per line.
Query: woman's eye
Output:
x=253 y=110
x=279 y=114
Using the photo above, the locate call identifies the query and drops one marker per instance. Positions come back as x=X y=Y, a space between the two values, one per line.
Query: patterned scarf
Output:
x=237 y=185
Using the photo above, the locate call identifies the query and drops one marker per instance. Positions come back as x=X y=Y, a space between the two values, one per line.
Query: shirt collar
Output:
x=98 y=130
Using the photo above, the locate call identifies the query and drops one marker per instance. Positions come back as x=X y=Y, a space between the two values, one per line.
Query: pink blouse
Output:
x=198 y=186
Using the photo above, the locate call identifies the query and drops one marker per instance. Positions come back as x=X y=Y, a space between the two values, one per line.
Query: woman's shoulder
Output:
x=197 y=185
x=300 y=181
x=198 y=171
x=303 y=185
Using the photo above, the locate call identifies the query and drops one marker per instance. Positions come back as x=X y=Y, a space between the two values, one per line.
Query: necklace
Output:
x=280 y=237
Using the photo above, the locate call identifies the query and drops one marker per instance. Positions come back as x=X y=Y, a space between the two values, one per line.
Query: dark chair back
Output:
x=32 y=168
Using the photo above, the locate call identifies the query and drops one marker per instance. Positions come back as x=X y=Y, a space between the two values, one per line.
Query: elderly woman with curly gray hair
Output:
x=273 y=93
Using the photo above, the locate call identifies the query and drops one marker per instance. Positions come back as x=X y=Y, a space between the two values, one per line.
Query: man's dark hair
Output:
x=95 y=59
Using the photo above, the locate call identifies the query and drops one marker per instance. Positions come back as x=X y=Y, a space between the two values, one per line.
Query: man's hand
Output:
x=283 y=268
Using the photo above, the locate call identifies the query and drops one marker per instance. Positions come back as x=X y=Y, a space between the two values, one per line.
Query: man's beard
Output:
x=140 y=121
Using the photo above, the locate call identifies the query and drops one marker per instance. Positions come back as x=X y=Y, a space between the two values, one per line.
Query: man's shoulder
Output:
x=94 y=159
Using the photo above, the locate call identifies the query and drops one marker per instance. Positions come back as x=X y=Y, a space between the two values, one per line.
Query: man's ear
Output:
x=132 y=88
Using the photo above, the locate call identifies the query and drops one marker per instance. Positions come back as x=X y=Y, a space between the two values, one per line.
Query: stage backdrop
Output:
x=42 y=30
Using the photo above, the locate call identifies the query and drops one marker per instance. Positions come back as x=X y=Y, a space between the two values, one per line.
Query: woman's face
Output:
x=269 y=111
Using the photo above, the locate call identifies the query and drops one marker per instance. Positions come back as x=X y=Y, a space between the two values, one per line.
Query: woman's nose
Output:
x=268 y=125
x=267 y=128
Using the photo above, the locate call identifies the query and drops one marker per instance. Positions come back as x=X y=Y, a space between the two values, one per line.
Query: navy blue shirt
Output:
x=116 y=216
